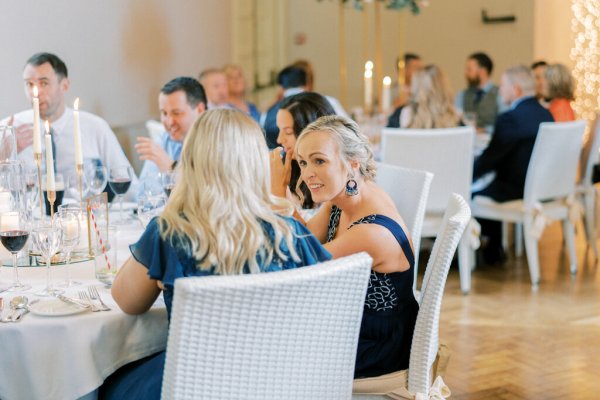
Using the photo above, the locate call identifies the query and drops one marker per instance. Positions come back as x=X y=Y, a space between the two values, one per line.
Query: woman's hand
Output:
x=280 y=171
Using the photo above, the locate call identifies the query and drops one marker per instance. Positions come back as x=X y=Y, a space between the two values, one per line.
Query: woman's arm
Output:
x=133 y=290
x=317 y=225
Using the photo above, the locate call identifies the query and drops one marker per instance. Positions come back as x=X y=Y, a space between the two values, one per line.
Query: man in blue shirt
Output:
x=181 y=101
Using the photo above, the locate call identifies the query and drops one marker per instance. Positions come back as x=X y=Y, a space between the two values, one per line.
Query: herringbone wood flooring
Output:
x=510 y=343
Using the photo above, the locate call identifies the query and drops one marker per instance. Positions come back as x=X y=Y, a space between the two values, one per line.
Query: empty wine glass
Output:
x=14 y=232
x=168 y=181
x=31 y=189
x=8 y=143
x=47 y=240
x=68 y=222
x=95 y=179
x=119 y=179
x=150 y=207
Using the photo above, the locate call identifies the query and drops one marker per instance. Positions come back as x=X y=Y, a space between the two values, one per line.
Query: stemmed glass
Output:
x=47 y=239
x=14 y=232
x=31 y=189
x=68 y=222
x=168 y=181
x=95 y=178
x=150 y=207
x=8 y=143
x=119 y=179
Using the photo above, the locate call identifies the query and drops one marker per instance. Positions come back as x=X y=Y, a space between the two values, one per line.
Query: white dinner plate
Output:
x=54 y=308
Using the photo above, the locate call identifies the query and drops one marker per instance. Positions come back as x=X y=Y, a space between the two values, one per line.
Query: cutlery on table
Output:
x=70 y=300
x=94 y=295
x=83 y=296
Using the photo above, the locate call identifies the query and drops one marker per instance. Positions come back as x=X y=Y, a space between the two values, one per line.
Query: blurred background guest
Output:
x=538 y=69
x=430 y=104
x=236 y=84
x=214 y=82
x=357 y=215
x=295 y=114
x=559 y=88
x=219 y=194
x=410 y=64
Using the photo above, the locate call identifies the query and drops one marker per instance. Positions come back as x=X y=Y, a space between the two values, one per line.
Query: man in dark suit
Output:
x=510 y=149
x=292 y=80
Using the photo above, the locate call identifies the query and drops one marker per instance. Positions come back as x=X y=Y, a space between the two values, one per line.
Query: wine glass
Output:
x=47 y=240
x=14 y=232
x=119 y=179
x=168 y=181
x=8 y=143
x=95 y=178
x=150 y=207
x=31 y=189
x=68 y=222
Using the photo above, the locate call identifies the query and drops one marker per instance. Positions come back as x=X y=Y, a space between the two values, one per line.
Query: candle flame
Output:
x=35 y=91
x=368 y=73
x=47 y=125
x=387 y=80
x=369 y=65
x=76 y=104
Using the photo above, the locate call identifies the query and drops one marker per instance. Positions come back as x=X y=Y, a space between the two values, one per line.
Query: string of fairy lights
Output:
x=585 y=53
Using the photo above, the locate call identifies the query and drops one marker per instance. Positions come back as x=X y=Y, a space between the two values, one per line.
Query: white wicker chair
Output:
x=448 y=154
x=549 y=191
x=278 y=335
x=426 y=336
x=409 y=188
x=586 y=188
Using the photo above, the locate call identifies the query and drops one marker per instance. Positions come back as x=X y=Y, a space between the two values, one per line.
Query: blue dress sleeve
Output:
x=310 y=250
x=155 y=254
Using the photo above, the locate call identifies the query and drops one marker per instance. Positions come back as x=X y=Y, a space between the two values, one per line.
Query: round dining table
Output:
x=68 y=357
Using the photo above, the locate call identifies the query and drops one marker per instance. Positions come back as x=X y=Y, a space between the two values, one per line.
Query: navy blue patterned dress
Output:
x=390 y=309
x=167 y=261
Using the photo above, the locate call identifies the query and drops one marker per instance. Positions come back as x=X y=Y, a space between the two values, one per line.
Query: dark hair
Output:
x=408 y=57
x=484 y=61
x=194 y=92
x=291 y=77
x=305 y=108
x=540 y=63
x=57 y=64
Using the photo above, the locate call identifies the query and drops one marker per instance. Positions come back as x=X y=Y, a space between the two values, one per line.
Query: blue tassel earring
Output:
x=351 y=188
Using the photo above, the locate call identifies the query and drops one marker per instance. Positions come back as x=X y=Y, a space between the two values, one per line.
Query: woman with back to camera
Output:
x=223 y=197
x=431 y=104
x=357 y=215
x=559 y=88
x=295 y=114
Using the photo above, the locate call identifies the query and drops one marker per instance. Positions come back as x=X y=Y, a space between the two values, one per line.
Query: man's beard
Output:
x=473 y=82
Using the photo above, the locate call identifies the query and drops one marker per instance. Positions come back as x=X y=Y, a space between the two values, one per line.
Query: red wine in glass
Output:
x=14 y=240
x=120 y=185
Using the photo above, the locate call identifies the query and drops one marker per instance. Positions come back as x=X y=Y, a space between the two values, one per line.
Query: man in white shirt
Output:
x=49 y=74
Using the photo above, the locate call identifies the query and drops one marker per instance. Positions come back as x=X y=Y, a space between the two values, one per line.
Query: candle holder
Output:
x=79 y=170
x=51 y=200
x=37 y=157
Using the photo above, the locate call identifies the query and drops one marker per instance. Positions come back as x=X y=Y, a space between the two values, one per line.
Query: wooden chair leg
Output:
x=531 y=247
x=569 y=233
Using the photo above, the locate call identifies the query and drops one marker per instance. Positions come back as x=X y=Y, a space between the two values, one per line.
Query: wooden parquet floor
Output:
x=510 y=343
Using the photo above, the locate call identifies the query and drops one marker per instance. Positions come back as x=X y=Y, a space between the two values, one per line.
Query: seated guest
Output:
x=236 y=84
x=430 y=104
x=180 y=102
x=559 y=89
x=49 y=74
x=538 y=69
x=481 y=96
x=214 y=82
x=310 y=82
x=295 y=114
x=411 y=64
x=224 y=172
x=357 y=215
x=291 y=80
x=509 y=150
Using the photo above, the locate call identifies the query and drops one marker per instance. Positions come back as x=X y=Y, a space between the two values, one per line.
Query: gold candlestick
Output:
x=37 y=157
x=51 y=200
x=79 y=169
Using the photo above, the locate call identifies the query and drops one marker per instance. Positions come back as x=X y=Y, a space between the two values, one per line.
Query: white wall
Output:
x=444 y=33
x=553 y=37
x=119 y=52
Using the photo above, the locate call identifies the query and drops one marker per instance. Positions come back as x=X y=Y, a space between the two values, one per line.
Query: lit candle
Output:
x=9 y=221
x=71 y=230
x=50 y=183
x=77 y=133
x=386 y=95
x=368 y=89
x=37 y=142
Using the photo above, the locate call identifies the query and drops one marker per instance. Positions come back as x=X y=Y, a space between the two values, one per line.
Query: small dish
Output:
x=54 y=308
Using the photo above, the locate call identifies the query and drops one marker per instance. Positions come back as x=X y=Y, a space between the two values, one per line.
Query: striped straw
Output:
x=99 y=236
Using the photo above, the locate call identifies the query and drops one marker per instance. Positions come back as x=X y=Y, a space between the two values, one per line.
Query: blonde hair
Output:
x=352 y=143
x=560 y=82
x=223 y=194
x=431 y=100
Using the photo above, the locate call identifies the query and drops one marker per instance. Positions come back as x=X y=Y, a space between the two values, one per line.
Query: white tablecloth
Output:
x=69 y=357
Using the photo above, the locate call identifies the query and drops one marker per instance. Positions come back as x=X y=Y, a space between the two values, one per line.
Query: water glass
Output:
x=68 y=223
x=150 y=207
x=105 y=255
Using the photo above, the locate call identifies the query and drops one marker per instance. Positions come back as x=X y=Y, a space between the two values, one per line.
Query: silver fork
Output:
x=83 y=296
x=96 y=296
